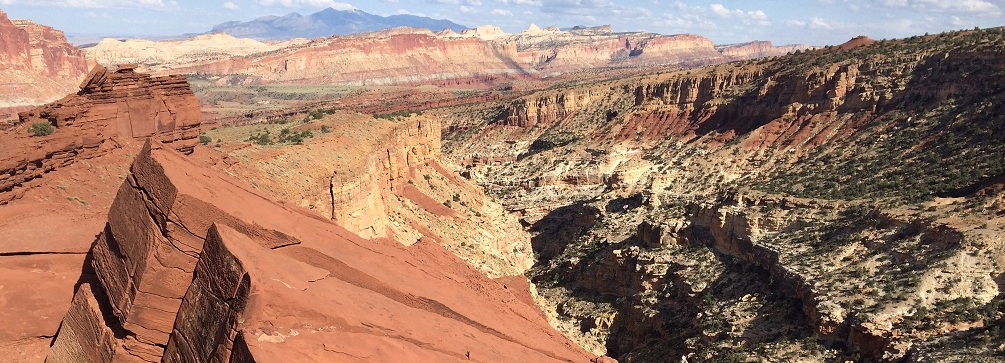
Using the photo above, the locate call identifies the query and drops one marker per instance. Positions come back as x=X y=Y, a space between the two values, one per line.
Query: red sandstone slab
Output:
x=34 y=228
x=35 y=293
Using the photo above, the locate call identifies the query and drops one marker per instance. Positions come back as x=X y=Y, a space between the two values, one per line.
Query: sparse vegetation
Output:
x=397 y=115
x=43 y=128
x=285 y=137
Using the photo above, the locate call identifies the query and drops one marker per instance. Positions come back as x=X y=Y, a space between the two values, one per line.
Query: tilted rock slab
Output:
x=196 y=267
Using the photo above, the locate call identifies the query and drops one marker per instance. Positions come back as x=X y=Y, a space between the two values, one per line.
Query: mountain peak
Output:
x=325 y=23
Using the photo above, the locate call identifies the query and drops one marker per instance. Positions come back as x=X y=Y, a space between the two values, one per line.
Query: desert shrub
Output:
x=261 y=139
x=203 y=139
x=287 y=136
x=43 y=128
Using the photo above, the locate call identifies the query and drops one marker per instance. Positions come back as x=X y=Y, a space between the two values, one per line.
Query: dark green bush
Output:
x=43 y=128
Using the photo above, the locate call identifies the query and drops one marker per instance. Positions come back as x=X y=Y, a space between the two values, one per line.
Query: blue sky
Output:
x=816 y=22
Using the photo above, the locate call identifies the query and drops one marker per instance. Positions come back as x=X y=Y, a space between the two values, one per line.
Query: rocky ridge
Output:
x=479 y=57
x=193 y=266
x=834 y=204
x=111 y=109
x=56 y=190
x=382 y=179
x=200 y=48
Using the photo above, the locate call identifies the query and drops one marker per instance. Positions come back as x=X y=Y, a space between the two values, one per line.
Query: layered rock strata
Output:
x=39 y=65
x=111 y=109
x=383 y=178
x=194 y=266
x=480 y=57
x=398 y=59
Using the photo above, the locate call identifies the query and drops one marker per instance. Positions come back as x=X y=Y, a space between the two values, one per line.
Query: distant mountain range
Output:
x=326 y=23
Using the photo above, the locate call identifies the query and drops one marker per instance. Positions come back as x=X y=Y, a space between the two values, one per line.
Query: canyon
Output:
x=577 y=195
x=841 y=203
x=183 y=262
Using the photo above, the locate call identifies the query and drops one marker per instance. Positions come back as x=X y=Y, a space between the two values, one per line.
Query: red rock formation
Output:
x=398 y=59
x=39 y=65
x=565 y=54
x=857 y=41
x=15 y=47
x=111 y=108
x=758 y=49
x=478 y=58
x=51 y=55
x=195 y=267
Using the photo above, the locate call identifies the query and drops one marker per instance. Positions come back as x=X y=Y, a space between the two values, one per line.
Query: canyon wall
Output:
x=201 y=48
x=481 y=57
x=848 y=190
x=384 y=179
x=360 y=194
x=56 y=190
x=398 y=59
x=39 y=65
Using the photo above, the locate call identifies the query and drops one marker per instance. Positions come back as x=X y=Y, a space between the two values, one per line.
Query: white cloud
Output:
x=472 y=2
x=230 y=5
x=754 y=17
x=818 y=23
x=501 y=12
x=520 y=2
x=719 y=10
x=95 y=3
x=684 y=17
x=970 y=7
x=467 y=10
x=307 y=3
x=795 y=23
x=406 y=12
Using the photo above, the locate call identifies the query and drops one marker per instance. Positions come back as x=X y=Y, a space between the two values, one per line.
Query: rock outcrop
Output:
x=39 y=65
x=758 y=49
x=198 y=49
x=111 y=108
x=363 y=60
x=384 y=178
x=193 y=266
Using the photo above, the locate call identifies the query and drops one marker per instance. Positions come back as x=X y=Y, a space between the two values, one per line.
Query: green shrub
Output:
x=203 y=139
x=43 y=128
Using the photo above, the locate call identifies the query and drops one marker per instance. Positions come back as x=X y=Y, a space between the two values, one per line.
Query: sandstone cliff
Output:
x=198 y=49
x=759 y=49
x=363 y=60
x=479 y=57
x=381 y=178
x=39 y=65
x=193 y=266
